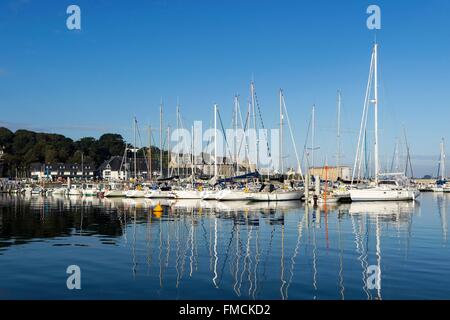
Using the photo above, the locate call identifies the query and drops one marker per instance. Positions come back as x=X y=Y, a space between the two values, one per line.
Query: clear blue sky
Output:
x=129 y=54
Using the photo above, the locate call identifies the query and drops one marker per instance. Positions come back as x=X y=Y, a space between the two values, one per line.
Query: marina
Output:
x=198 y=249
x=239 y=151
x=240 y=176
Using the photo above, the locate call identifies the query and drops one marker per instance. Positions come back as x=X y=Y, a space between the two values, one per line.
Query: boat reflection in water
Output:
x=365 y=215
x=243 y=241
x=196 y=249
x=442 y=203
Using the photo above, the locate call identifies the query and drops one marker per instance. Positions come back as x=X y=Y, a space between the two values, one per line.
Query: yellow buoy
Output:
x=157 y=214
x=158 y=208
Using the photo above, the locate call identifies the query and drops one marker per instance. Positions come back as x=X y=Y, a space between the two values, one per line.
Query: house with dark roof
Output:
x=118 y=168
x=55 y=171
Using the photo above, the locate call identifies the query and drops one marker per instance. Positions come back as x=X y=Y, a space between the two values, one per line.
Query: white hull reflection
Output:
x=236 y=206
x=382 y=208
x=257 y=205
x=190 y=204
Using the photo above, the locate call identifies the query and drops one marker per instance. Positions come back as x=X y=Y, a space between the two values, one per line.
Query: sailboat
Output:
x=199 y=193
x=114 y=190
x=90 y=190
x=394 y=186
x=74 y=190
x=138 y=192
x=284 y=192
x=440 y=185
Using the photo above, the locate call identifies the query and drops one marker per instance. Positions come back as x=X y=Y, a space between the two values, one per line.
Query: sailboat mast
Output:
x=376 y=147
x=192 y=153
x=338 y=156
x=135 y=148
x=235 y=132
x=178 y=127
x=125 y=156
x=442 y=162
x=160 y=138
x=281 y=132
x=397 y=156
x=312 y=134
x=150 y=153
x=215 y=140
x=168 y=151
x=252 y=91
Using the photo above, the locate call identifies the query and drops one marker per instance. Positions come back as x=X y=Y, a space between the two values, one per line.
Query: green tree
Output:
x=113 y=143
x=6 y=137
x=51 y=155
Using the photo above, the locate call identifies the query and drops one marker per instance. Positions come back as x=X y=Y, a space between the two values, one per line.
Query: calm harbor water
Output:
x=233 y=250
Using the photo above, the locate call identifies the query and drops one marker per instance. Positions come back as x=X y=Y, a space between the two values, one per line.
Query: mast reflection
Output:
x=279 y=250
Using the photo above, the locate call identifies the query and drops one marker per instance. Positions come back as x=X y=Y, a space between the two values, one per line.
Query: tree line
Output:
x=23 y=147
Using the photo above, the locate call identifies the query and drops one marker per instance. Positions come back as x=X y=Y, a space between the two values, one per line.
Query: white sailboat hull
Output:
x=210 y=194
x=159 y=194
x=277 y=195
x=233 y=195
x=377 y=194
x=188 y=194
x=114 y=193
x=135 y=193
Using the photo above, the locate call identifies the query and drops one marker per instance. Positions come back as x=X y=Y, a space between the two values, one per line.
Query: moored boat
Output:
x=138 y=192
x=188 y=194
x=388 y=190
x=90 y=190
x=270 y=193
x=233 y=195
x=75 y=190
